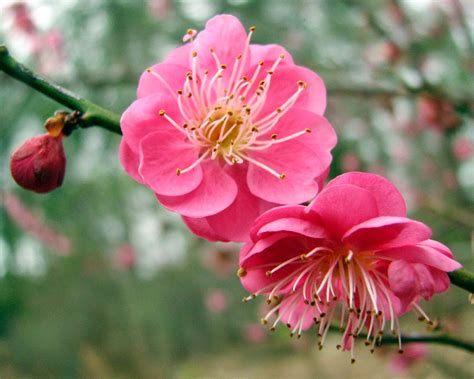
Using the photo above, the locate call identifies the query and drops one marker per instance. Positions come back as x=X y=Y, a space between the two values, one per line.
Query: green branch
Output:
x=463 y=278
x=442 y=339
x=92 y=114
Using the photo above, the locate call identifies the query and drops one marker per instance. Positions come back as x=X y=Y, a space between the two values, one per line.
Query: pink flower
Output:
x=39 y=164
x=463 y=148
x=125 y=257
x=254 y=333
x=223 y=130
x=413 y=353
x=33 y=224
x=436 y=113
x=216 y=301
x=351 y=256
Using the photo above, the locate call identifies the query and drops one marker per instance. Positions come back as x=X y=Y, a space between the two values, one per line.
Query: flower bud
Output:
x=39 y=164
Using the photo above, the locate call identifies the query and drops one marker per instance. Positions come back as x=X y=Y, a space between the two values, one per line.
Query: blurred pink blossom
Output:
x=34 y=225
x=221 y=261
x=125 y=257
x=159 y=9
x=450 y=180
x=463 y=148
x=413 y=353
x=254 y=333
x=350 y=162
x=436 y=113
x=216 y=301
x=22 y=20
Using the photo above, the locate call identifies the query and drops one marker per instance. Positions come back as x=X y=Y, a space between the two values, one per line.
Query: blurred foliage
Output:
x=86 y=314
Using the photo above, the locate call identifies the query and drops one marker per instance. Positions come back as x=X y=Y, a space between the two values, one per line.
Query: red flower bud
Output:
x=39 y=164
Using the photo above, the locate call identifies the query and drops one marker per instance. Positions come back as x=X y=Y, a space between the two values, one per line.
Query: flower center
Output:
x=224 y=119
x=326 y=281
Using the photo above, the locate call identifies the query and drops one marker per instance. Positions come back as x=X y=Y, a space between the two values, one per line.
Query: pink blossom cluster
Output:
x=34 y=225
x=231 y=135
x=46 y=47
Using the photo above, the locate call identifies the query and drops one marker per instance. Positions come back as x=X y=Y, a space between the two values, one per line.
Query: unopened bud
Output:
x=39 y=164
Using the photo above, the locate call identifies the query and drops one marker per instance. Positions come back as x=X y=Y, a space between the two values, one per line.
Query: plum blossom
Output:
x=350 y=256
x=223 y=130
x=414 y=353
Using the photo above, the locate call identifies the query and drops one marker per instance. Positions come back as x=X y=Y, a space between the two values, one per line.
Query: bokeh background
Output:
x=98 y=281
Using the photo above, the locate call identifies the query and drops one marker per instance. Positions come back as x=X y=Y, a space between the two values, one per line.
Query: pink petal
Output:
x=226 y=36
x=172 y=74
x=425 y=281
x=215 y=193
x=142 y=118
x=268 y=54
x=321 y=139
x=299 y=164
x=438 y=246
x=386 y=232
x=161 y=153
x=441 y=280
x=180 y=56
x=296 y=211
x=295 y=225
x=234 y=222
x=421 y=254
x=402 y=279
x=389 y=200
x=130 y=161
x=341 y=207
x=201 y=228
x=284 y=83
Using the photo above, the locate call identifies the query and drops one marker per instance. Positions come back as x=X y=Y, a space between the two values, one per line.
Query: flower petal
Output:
x=130 y=161
x=284 y=83
x=234 y=222
x=297 y=162
x=389 y=200
x=161 y=154
x=224 y=34
x=142 y=118
x=386 y=232
x=215 y=193
x=172 y=80
x=421 y=254
x=402 y=278
x=201 y=228
x=341 y=207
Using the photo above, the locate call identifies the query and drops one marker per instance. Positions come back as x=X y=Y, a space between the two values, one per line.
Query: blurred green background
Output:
x=98 y=281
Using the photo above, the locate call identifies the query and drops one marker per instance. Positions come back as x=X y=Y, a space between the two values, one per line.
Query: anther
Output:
x=261 y=63
x=178 y=172
x=223 y=66
x=180 y=92
x=253 y=29
x=367 y=343
x=272 y=329
x=194 y=54
x=274 y=136
x=282 y=176
x=241 y=272
x=338 y=347
x=278 y=110
x=282 y=56
x=268 y=274
x=353 y=361
x=302 y=84
x=238 y=56
x=400 y=351
x=308 y=130
x=263 y=321
x=270 y=72
x=162 y=112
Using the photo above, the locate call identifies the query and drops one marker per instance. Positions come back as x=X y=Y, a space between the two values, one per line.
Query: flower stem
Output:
x=93 y=114
x=462 y=278
x=442 y=339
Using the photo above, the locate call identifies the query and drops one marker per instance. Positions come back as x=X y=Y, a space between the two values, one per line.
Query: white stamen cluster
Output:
x=329 y=281
x=223 y=119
